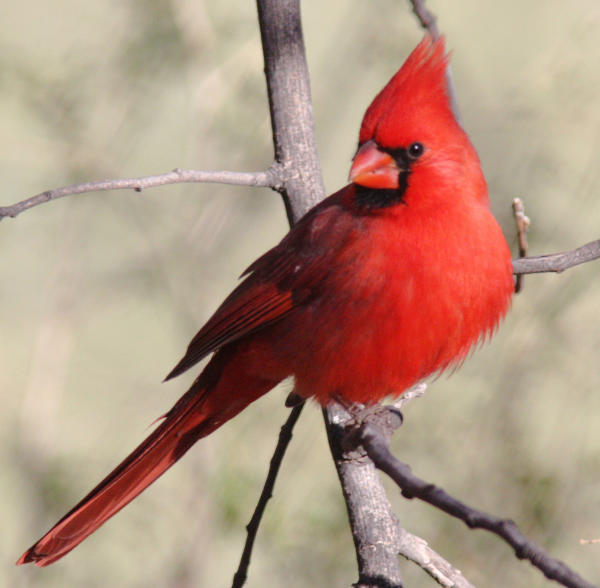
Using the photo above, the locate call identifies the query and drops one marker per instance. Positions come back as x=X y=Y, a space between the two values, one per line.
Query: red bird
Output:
x=391 y=279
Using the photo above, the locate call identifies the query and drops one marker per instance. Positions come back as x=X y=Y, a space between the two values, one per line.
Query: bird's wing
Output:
x=282 y=279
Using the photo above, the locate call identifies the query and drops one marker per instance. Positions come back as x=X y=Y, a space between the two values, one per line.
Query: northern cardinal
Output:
x=387 y=281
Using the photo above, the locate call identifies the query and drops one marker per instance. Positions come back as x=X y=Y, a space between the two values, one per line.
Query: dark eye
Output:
x=415 y=150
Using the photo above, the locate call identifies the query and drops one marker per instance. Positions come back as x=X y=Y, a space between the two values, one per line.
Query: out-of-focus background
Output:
x=101 y=292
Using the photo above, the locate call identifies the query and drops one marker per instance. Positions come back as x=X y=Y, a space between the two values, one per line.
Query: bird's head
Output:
x=409 y=129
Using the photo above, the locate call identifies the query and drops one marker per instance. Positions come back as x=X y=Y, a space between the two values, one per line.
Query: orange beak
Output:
x=374 y=168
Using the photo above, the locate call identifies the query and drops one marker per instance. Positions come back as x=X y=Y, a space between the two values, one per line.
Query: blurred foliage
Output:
x=102 y=292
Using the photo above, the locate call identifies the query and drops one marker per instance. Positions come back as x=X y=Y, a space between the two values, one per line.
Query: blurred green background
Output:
x=101 y=292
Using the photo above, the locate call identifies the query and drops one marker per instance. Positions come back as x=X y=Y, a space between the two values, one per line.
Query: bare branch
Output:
x=426 y=18
x=378 y=535
x=285 y=436
x=270 y=178
x=523 y=223
x=375 y=440
x=557 y=262
x=417 y=550
x=375 y=528
x=428 y=21
x=290 y=104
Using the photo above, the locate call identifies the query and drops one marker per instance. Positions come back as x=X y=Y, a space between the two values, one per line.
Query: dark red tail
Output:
x=204 y=408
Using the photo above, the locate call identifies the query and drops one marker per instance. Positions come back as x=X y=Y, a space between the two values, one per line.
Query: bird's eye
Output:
x=415 y=150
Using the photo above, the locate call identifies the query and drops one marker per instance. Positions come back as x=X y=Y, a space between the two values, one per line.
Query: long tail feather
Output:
x=181 y=428
x=198 y=413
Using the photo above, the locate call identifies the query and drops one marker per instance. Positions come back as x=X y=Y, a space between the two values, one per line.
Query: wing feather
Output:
x=282 y=279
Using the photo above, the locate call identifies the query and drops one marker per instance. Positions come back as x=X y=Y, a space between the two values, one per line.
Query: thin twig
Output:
x=285 y=436
x=376 y=444
x=588 y=541
x=273 y=178
x=426 y=18
x=428 y=21
x=557 y=262
x=270 y=178
x=522 y=221
x=417 y=550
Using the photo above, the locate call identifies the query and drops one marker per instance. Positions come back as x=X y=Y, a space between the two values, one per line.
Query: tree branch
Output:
x=376 y=530
x=270 y=178
x=274 y=178
x=428 y=21
x=523 y=223
x=378 y=540
x=285 y=436
x=557 y=262
x=426 y=18
x=417 y=550
x=374 y=437
x=290 y=105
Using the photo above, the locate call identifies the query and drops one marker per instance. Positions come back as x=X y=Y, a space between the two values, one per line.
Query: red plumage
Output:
x=387 y=281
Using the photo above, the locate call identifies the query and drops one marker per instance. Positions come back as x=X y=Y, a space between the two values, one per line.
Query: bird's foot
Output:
x=386 y=418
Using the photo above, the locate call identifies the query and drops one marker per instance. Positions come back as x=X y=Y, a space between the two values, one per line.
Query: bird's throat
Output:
x=377 y=198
